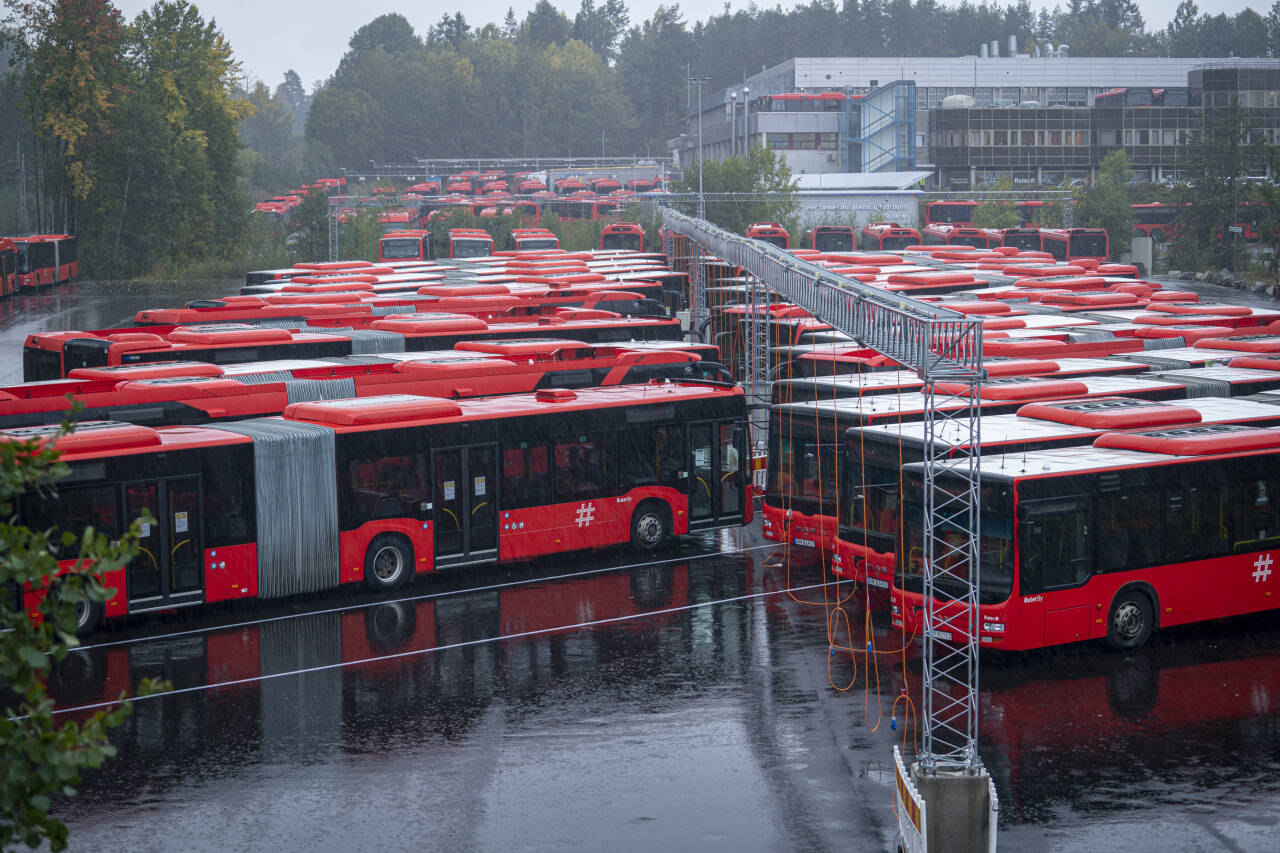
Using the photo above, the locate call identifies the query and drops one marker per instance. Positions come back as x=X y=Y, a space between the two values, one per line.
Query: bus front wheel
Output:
x=650 y=527
x=388 y=563
x=1131 y=621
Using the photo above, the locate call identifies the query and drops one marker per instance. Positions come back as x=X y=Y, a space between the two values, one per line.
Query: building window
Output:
x=778 y=141
x=1028 y=137
x=1002 y=137
x=975 y=139
x=1107 y=138
x=804 y=141
x=1055 y=137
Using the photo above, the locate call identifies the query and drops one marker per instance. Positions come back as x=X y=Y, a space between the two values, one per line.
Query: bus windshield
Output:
x=800 y=467
x=539 y=243
x=942 y=212
x=893 y=244
x=1088 y=245
x=995 y=545
x=471 y=248
x=402 y=248
x=869 y=494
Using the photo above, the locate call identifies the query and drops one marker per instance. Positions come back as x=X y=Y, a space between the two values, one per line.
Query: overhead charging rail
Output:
x=944 y=349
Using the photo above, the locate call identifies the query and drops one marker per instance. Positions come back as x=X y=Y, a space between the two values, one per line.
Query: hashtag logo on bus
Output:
x=586 y=514
x=1262 y=568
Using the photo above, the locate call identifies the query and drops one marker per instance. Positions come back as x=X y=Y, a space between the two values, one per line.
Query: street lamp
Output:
x=746 y=117
x=702 y=204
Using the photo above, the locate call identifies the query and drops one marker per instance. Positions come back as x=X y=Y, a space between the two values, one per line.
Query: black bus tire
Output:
x=388 y=563
x=1130 y=621
x=88 y=616
x=650 y=526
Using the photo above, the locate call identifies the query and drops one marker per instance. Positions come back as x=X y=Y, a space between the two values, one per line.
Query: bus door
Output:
x=465 y=509
x=169 y=568
x=718 y=449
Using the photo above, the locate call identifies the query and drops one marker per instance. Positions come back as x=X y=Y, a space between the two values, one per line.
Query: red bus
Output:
x=564 y=186
x=619 y=236
x=950 y=213
x=605 y=186
x=409 y=245
x=37 y=260
x=427 y=187
x=459 y=185
x=398 y=220
x=8 y=267
x=1031 y=212
x=639 y=185
x=1068 y=244
x=1141 y=531
x=470 y=243
x=187 y=392
x=806 y=437
x=1025 y=239
x=957 y=235
x=887 y=237
x=529 y=185
x=831 y=238
x=1154 y=220
x=382 y=488
x=769 y=232
x=582 y=207
x=53 y=355
x=532 y=238
x=870 y=483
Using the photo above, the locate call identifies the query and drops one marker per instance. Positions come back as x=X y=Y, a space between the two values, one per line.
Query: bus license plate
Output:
x=877 y=582
x=808 y=543
x=940 y=635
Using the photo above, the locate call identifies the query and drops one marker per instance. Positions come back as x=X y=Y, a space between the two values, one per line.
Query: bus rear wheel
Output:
x=650 y=527
x=388 y=563
x=1131 y=621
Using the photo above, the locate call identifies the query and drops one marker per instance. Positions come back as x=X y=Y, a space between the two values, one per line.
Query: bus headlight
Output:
x=993 y=627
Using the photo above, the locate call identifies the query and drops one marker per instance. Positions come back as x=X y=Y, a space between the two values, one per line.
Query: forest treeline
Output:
x=142 y=137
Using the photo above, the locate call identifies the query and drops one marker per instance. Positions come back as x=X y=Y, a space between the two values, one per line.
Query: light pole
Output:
x=733 y=123
x=702 y=204
x=746 y=118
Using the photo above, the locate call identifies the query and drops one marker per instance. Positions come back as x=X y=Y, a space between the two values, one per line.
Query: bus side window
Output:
x=526 y=477
x=581 y=467
x=1055 y=545
x=1257 y=499
x=1195 y=523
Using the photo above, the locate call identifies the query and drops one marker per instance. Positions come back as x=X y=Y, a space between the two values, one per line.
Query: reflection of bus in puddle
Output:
x=423 y=644
x=1050 y=731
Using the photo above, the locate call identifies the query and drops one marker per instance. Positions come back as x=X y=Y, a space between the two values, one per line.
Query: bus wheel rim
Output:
x=82 y=614
x=1128 y=620
x=650 y=528
x=387 y=564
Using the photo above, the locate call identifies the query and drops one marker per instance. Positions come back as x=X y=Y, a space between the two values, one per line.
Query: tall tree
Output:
x=69 y=53
x=601 y=26
x=1105 y=204
x=761 y=171
x=546 y=24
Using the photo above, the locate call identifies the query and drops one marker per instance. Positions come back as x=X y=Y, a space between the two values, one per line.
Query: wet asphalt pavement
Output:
x=596 y=701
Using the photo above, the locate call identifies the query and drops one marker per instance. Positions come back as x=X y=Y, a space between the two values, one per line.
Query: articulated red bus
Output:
x=45 y=259
x=887 y=237
x=1069 y=244
x=382 y=488
x=1140 y=531
x=54 y=354
x=959 y=213
x=769 y=232
x=831 y=238
x=619 y=236
x=605 y=186
x=871 y=484
x=188 y=392
x=409 y=245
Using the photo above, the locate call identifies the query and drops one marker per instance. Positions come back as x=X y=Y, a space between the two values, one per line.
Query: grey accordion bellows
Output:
x=297 y=505
x=371 y=340
x=1201 y=387
x=1164 y=343
x=1158 y=363
x=1090 y=335
x=267 y=376
x=311 y=390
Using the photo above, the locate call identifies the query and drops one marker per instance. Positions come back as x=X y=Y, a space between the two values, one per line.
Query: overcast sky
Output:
x=310 y=36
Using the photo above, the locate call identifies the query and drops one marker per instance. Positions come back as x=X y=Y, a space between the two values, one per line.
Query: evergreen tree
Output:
x=1105 y=204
